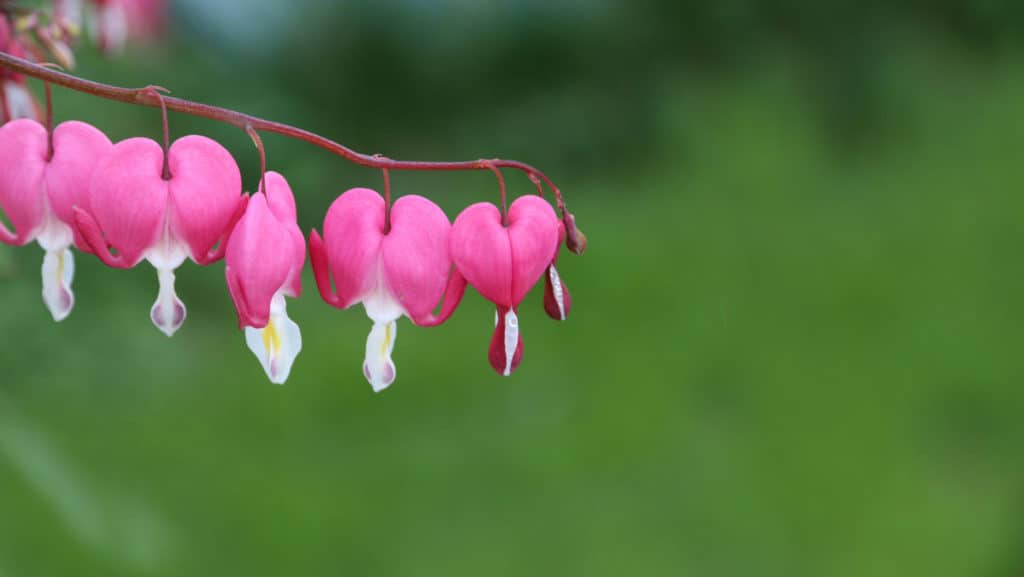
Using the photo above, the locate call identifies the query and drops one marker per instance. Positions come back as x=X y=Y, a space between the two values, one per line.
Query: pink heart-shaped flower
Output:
x=401 y=271
x=504 y=262
x=38 y=192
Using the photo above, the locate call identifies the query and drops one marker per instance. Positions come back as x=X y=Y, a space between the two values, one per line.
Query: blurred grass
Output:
x=782 y=361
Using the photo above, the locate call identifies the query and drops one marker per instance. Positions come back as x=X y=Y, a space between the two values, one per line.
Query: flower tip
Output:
x=168 y=312
x=506 y=350
x=168 y=318
x=380 y=382
x=378 y=368
x=58 y=271
x=276 y=345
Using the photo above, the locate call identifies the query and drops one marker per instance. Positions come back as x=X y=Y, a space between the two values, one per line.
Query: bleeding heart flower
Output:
x=38 y=194
x=399 y=272
x=557 y=300
x=135 y=211
x=504 y=262
x=265 y=255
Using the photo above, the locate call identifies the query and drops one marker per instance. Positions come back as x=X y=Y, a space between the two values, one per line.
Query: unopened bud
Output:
x=575 y=240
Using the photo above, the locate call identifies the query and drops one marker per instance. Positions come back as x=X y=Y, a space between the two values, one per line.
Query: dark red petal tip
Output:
x=506 y=336
x=557 y=300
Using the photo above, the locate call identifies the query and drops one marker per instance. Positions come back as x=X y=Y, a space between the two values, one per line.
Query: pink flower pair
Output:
x=406 y=270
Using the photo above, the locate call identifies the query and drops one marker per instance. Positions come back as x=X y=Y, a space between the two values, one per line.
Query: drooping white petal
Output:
x=378 y=367
x=511 y=339
x=384 y=309
x=166 y=255
x=168 y=312
x=58 y=270
x=277 y=344
x=58 y=264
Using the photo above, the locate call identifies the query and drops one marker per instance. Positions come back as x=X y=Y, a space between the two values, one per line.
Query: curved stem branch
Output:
x=148 y=97
x=255 y=136
x=504 y=195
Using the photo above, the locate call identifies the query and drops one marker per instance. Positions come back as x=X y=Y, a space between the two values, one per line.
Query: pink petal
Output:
x=533 y=234
x=453 y=294
x=353 y=231
x=279 y=197
x=321 y=269
x=480 y=248
x=77 y=150
x=205 y=187
x=504 y=263
x=128 y=198
x=22 y=169
x=86 y=229
x=282 y=204
x=217 y=253
x=259 y=260
x=415 y=255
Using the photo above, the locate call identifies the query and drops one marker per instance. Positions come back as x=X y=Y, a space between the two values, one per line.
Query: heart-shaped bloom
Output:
x=38 y=194
x=399 y=272
x=132 y=209
x=504 y=262
x=264 y=259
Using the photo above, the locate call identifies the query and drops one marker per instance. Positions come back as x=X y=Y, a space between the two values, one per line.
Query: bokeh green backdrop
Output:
x=795 y=342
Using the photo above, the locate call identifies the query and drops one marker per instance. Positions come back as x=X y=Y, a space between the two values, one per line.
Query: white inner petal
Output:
x=378 y=367
x=168 y=312
x=511 y=339
x=52 y=233
x=380 y=304
x=168 y=252
x=58 y=264
x=58 y=270
x=556 y=288
x=278 y=344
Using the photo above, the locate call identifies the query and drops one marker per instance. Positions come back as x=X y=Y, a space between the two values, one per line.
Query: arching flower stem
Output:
x=147 y=97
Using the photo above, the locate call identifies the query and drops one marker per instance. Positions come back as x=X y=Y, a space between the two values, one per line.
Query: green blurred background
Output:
x=794 y=347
